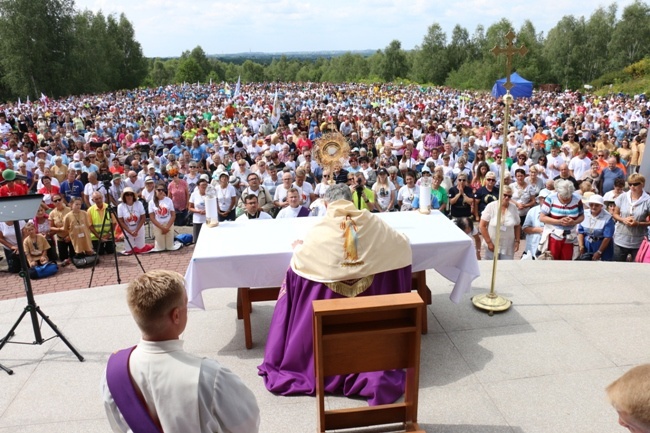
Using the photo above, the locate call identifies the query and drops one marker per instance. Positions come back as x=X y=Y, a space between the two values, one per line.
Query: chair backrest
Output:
x=362 y=334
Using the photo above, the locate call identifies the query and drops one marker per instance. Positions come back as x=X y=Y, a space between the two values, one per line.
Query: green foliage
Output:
x=630 y=87
x=638 y=69
x=189 y=71
x=394 y=62
x=36 y=39
x=252 y=72
x=630 y=40
x=431 y=60
x=47 y=46
x=613 y=77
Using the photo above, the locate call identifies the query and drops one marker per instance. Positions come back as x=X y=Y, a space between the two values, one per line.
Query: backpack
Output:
x=184 y=238
x=83 y=261
x=43 y=271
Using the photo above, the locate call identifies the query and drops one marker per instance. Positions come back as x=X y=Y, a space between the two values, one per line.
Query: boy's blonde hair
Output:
x=630 y=393
x=152 y=296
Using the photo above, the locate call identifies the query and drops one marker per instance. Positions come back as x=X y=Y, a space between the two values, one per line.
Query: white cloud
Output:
x=166 y=27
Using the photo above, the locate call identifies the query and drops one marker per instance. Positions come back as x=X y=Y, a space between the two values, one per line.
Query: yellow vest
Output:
x=96 y=217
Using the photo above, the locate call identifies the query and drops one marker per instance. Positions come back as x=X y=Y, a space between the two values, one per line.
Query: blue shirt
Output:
x=197 y=153
x=70 y=191
x=609 y=176
x=176 y=150
x=434 y=202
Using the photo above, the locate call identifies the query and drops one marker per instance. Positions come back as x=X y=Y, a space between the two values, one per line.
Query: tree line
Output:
x=575 y=52
x=47 y=46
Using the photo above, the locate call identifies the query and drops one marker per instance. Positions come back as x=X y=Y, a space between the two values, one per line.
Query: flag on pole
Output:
x=44 y=99
x=226 y=88
x=19 y=103
x=210 y=81
x=237 y=87
x=275 y=114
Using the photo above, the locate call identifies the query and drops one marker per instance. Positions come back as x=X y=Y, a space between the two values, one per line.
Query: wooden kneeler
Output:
x=369 y=333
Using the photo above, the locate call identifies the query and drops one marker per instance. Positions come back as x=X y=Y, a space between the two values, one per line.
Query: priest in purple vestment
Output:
x=348 y=253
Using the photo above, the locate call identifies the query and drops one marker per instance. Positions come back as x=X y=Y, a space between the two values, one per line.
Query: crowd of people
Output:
x=571 y=190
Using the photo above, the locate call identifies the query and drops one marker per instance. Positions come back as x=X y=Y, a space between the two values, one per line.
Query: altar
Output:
x=256 y=253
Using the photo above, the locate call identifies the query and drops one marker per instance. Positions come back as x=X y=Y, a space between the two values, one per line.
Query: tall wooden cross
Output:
x=509 y=51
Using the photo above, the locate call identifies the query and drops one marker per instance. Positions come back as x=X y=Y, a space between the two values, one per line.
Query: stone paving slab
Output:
x=71 y=278
x=540 y=367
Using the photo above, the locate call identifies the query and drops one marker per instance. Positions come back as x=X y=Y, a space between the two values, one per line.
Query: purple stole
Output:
x=303 y=212
x=288 y=367
x=127 y=400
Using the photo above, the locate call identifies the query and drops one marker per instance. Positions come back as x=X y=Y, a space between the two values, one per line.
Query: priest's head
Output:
x=340 y=191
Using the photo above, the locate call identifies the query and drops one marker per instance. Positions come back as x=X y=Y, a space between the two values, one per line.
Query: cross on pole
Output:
x=509 y=51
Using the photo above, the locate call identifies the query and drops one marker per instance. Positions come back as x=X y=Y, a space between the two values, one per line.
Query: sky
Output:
x=166 y=28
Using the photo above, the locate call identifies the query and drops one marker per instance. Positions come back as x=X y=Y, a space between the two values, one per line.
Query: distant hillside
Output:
x=632 y=80
x=266 y=58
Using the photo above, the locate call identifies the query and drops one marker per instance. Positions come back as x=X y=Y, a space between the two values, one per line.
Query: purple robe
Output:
x=288 y=366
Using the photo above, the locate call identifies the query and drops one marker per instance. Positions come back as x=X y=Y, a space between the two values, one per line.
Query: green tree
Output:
x=478 y=44
x=459 y=49
x=252 y=72
x=430 y=62
x=630 y=40
x=563 y=51
x=394 y=63
x=160 y=74
x=189 y=71
x=532 y=66
x=36 y=40
x=92 y=66
x=201 y=59
x=130 y=63
x=598 y=32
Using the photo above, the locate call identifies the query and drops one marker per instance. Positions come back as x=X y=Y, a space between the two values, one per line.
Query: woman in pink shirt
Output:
x=179 y=193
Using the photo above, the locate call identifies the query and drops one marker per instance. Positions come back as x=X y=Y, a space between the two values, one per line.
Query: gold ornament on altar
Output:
x=330 y=150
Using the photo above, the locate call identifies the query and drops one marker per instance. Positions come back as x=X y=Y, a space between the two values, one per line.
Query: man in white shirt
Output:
x=264 y=199
x=280 y=195
x=92 y=186
x=580 y=164
x=134 y=182
x=293 y=210
x=181 y=392
x=305 y=188
x=253 y=210
x=5 y=128
x=554 y=161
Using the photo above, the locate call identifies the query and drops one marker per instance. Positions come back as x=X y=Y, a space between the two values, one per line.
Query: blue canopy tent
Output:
x=521 y=88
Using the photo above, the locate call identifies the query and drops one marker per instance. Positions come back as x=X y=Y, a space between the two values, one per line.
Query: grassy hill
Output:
x=632 y=80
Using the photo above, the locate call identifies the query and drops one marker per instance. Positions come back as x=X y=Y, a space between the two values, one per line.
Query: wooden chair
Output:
x=247 y=295
x=370 y=333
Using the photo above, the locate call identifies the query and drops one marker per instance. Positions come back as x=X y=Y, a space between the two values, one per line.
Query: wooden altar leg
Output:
x=246 y=315
x=240 y=313
x=245 y=298
x=420 y=283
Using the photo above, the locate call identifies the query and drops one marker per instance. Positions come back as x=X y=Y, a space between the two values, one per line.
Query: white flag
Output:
x=237 y=87
x=275 y=114
x=44 y=99
x=19 y=103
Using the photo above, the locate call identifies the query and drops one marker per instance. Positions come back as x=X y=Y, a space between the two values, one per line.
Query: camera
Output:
x=106 y=179
x=359 y=187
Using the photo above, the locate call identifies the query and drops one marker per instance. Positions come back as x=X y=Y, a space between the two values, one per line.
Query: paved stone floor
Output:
x=540 y=367
x=71 y=278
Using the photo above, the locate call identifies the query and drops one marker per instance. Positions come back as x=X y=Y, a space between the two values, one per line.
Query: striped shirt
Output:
x=554 y=208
